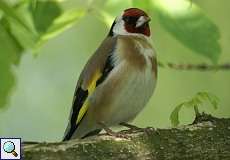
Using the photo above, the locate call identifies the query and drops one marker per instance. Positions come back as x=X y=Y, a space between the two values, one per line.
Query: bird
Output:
x=117 y=81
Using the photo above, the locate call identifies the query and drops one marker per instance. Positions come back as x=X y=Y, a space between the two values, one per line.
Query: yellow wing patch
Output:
x=82 y=111
x=90 y=88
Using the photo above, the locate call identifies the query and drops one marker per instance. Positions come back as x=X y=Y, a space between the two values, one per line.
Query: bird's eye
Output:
x=130 y=19
x=126 y=19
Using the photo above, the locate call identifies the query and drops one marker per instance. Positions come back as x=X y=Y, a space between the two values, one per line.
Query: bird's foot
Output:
x=114 y=134
x=150 y=130
x=130 y=126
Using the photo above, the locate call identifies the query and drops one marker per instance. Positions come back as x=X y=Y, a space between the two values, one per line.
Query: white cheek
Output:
x=119 y=28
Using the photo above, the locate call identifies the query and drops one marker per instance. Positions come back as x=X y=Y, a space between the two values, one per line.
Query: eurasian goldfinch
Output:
x=118 y=80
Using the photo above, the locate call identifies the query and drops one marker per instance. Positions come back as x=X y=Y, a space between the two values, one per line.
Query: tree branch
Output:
x=200 y=67
x=207 y=139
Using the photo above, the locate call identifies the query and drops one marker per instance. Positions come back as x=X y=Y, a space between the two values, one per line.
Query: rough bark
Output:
x=208 y=138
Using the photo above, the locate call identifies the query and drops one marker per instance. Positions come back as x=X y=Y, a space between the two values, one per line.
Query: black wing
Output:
x=80 y=97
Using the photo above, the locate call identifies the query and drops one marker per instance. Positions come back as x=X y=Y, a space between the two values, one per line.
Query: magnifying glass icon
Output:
x=9 y=147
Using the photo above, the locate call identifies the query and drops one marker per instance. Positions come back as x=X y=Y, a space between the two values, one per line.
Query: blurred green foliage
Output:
x=182 y=31
x=12 y=51
x=195 y=102
x=40 y=8
x=27 y=25
x=188 y=23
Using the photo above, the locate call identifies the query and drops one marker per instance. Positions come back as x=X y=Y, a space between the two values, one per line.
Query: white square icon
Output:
x=10 y=148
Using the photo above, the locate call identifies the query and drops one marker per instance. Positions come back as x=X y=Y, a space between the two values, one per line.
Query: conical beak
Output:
x=142 y=20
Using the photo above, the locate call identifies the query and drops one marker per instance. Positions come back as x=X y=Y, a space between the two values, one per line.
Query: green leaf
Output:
x=188 y=24
x=44 y=13
x=16 y=48
x=214 y=100
x=10 y=52
x=26 y=26
x=61 y=23
x=26 y=36
x=49 y=19
x=10 y=12
x=45 y=20
x=194 y=102
x=174 y=117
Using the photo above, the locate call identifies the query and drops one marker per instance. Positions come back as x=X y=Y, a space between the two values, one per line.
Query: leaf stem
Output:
x=196 y=111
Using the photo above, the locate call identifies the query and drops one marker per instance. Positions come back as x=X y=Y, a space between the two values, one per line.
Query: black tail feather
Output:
x=92 y=133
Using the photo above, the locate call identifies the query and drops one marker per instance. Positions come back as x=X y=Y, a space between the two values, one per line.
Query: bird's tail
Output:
x=80 y=131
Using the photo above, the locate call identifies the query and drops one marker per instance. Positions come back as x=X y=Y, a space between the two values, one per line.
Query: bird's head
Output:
x=132 y=21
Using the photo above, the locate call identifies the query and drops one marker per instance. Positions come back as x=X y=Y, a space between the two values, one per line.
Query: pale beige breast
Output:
x=123 y=96
x=137 y=51
x=130 y=84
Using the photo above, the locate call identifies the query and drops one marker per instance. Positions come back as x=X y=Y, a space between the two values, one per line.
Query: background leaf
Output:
x=10 y=12
x=48 y=11
x=174 y=117
x=61 y=23
x=25 y=34
x=188 y=24
x=196 y=101
x=205 y=96
x=27 y=26
x=10 y=52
